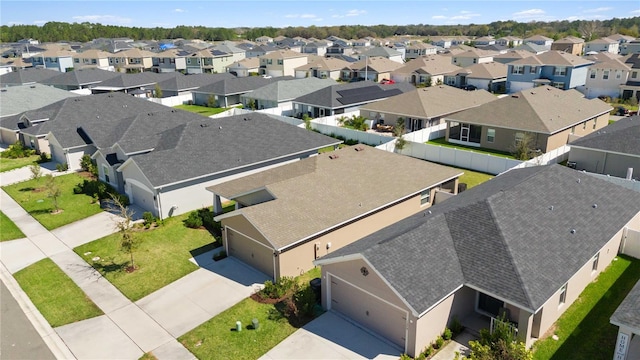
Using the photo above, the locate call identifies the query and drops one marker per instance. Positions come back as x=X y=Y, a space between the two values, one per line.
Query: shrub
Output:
x=219 y=256
x=62 y=167
x=194 y=220
x=439 y=342
x=455 y=326
x=428 y=350
x=305 y=300
x=447 y=334
x=17 y=150
x=44 y=158
x=148 y=218
x=421 y=356
x=405 y=357
x=99 y=191
x=278 y=289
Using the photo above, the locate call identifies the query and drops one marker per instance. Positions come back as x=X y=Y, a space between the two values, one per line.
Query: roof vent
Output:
x=32 y=86
x=578 y=181
x=516 y=96
x=551 y=207
x=3 y=90
x=595 y=206
x=220 y=127
x=573 y=231
x=333 y=157
x=204 y=125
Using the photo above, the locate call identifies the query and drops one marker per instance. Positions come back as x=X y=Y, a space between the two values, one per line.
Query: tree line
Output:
x=83 y=32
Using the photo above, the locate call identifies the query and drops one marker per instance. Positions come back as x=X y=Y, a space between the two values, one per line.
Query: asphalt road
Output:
x=18 y=338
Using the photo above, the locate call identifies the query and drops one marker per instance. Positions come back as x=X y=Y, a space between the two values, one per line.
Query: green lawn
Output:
x=162 y=257
x=32 y=196
x=584 y=330
x=473 y=178
x=55 y=295
x=8 y=230
x=444 y=143
x=202 y=110
x=7 y=164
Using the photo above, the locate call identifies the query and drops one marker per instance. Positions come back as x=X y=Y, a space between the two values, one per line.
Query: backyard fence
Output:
x=349 y=134
x=172 y=100
x=631 y=243
x=426 y=134
x=629 y=184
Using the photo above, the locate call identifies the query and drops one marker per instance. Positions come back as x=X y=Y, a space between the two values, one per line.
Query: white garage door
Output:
x=250 y=252
x=370 y=312
x=143 y=198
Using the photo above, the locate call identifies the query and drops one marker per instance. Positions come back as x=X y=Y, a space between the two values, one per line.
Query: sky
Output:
x=245 y=13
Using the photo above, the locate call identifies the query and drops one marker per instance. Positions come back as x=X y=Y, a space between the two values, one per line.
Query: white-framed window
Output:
x=605 y=75
x=595 y=123
x=563 y=295
x=77 y=61
x=584 y=125
x=634 y=74
x=105 y=170
x=618 y=74
x=592 y=75
x=455 y=60
x=189 y=61
x=558 y=85
x=280 y=61
x=425 y=197
x=533 y=69
x=491 y=135
x=517 y=69
x=594 y=265
x=560 y=71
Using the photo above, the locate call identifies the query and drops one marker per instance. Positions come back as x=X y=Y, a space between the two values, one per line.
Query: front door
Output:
x=489 y=305
x=464 y=132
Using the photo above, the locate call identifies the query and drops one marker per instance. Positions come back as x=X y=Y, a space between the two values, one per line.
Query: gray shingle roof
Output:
x=240 y=85
x=127 y=81
x=81 y=77
x=343 y=95
x=289 y=90
x=628 y=313
x=622 y=137
x=17 y=99
x=512 y=237
x=27 y=76
x=192 y=81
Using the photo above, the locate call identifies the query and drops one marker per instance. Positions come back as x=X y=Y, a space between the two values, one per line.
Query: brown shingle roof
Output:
x=557 y=58
x=428 y=64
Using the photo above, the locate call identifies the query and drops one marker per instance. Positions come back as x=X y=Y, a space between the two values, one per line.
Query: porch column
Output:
x=217 y=205
x=525 y=325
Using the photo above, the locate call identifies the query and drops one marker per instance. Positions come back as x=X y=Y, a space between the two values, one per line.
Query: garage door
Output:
x=143 y=198
x=370 y=312
x=250 y=252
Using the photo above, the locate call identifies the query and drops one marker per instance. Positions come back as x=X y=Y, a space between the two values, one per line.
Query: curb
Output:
x=46 y=332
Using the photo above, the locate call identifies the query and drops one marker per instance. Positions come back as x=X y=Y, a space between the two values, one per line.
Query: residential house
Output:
x=473 y=56
x=341 y=98
x=336 y=212
x=614 y=150
x=384 y=52
x=15 y=100
x=523 y=245
x=556 y=68
x=491 y=76
x=209 y=60
x=512 y=55
x=424 y=107
x=316 y=48
x=92 y=59
x=631 y=89
x=370 y=68
x=606 y=78
x=364 y=42
x=442 y=42
x=170 y=60
x=621 y=39
x=627 y=319
x=425 y=70
x=132 y=60
x=338 y=40
x=602 y=45
x=509 y=41
x=245 y=67
x=533 y=48
x=419 y=49
x=80 y=79
x=186 y=84
x=630 y=47
x=260 y=50
x=13 y=64
x=337 y=49
x=539 y=40
x=282 y=63
x=323 y=68
x=264 y=39
x=495 y=48
x=550 y=117
x=140 y=84
x=26 y=76
x=570 y=44
x=281 y=94
x=227 y=92
x=58 y=60
x=485 y=40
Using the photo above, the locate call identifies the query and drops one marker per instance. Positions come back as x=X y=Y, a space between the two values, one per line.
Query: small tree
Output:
x=211 y=101
x=307 y=121
x=53 y=191
x=36 y=172
x=501 y=344
x=157 y=91
x=128 y=242
x=251 y=104
x=523 y=148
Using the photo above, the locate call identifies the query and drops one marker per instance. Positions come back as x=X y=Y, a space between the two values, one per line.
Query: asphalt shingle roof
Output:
x=622 y=137
x=361 y=92
x=27 y=76
x=553 y=58
x=628 y=313
x=81 y=77
x=239 y=85
x=17 y=99
x=512 y=237
x=192 y=81
x=288 y=90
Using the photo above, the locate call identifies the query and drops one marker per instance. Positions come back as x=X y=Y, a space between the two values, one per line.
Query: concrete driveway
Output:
x=332 y=337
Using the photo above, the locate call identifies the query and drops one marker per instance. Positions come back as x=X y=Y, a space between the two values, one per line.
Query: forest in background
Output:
x=84 y=32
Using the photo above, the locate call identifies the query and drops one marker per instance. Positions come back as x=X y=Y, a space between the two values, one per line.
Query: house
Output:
x=341 y=98
x=485 y=40
x=491 y=76
x=264 y=39
x=245 y=67
x=523 y=245
x=419 y=49
x=631 y=89
x=361 y=42
x=539 y=40
x=570 y=44
x=132 y=60
x=603 y=45
x=323 y=68
x=26 y=76
x=333 y=202
x=495 y=48
x=425 y=70
x=92 y=58
x=614 y=150
x=209 y=60
x=316 y=48
x=533 y=48
x=627 y=319
x=424 y=107
x=510 y=41
x=370 y=68
x=338 y=49
x=80 y=79
x=550 y=116
x=282 y=63
x=384 y=52
x=630 y=47
x=260 y=50
x=442 y=42
x=185 y=84
x=13 y=64
x=227 y=92
x=473 y=56
x=170 y=60
x=15 y=100
x=281 y=94
x=606 y=78
x=139 y=84
x=621 y=39
x=556 y=68
x=58 y=60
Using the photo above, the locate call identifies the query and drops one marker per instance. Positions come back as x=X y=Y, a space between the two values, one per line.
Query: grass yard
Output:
x=7 y=164
x=473 y=178
x=32 y=196
x=55 y=295
x=162 y=257
x=8 y=230
x=202 y=110
x=584 y=330
x=444 y=143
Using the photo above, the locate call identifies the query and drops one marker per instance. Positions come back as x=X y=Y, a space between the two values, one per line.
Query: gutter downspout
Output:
x=159 y=203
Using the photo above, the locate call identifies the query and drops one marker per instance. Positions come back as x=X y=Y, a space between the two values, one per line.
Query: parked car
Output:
x=469 y=87
x=387 y=81
x=621 y=111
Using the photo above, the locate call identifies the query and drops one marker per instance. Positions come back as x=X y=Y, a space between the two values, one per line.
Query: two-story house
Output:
x=132 y=60
x=569 y=44
x=510 y=41
x=605 y=79
x=418 y=49
x=92 y=58
x=59 y=60
x=539 y=40
x=473 y=56
x=282 y=63
x=170 y=60
x=603 y=45
x=556 y=68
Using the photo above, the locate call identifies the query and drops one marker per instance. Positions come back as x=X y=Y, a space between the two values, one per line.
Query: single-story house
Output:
x=80 y=79
x=133 y=83
x=627 y=319
x=370 y=68
x=490 y=76
x=227 y=92
x=323 y=68
x=288 y=216
x=551 y=116
x=281 y=94
x=424 y=70
x=612 y=150
x=424 y=107
x=523 y=245
x=244 y=67
x=186 y=84
x=26 y=76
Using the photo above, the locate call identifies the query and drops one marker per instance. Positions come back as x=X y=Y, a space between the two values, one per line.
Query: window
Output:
x=517 y=69
x=519 y=137
x=558 y=85
x=595 y=122
x=475 y=61
x=280 y=62
x=618 y=74
x=491 y=135
x=77 y=61
x=188 y=61
x=560 y=71
x=563 y=294
x=605 y=75
x=634 y=74
x=455 y=60
x=592 y=75
x=594 y=266
x=425 y=197
x=584 y=125
x=105 y=170
x=533 y=69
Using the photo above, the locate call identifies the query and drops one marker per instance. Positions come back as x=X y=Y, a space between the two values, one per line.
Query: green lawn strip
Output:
x=444 y=143
x=584 y=330
x=472 y=178
x=8 y=230
x=55 y=295
x=148 y=356
x=202 y=110
x=217 y=338
x=7 y=164
x=33 y=197
x=162 y=257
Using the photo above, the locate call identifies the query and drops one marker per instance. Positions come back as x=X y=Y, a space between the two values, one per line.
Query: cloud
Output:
x=600 y=9
x=439 y=17
x=355 y=12
x=301 y=16
x=635 y=12
x=528 y=13
x=103 y=19
x=307 y=16
x=179 y=10
x=463 y=15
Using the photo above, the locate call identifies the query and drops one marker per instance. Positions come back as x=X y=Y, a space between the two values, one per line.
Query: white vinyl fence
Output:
x=629 y=184
x=552 y=157
x=173 y=100
x=349 y=134
x=333 y=119
x=426 y=134
x=631 y=243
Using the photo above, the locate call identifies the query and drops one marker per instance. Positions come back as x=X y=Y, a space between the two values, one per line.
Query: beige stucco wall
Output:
x=8 y=136
x=241 y=224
